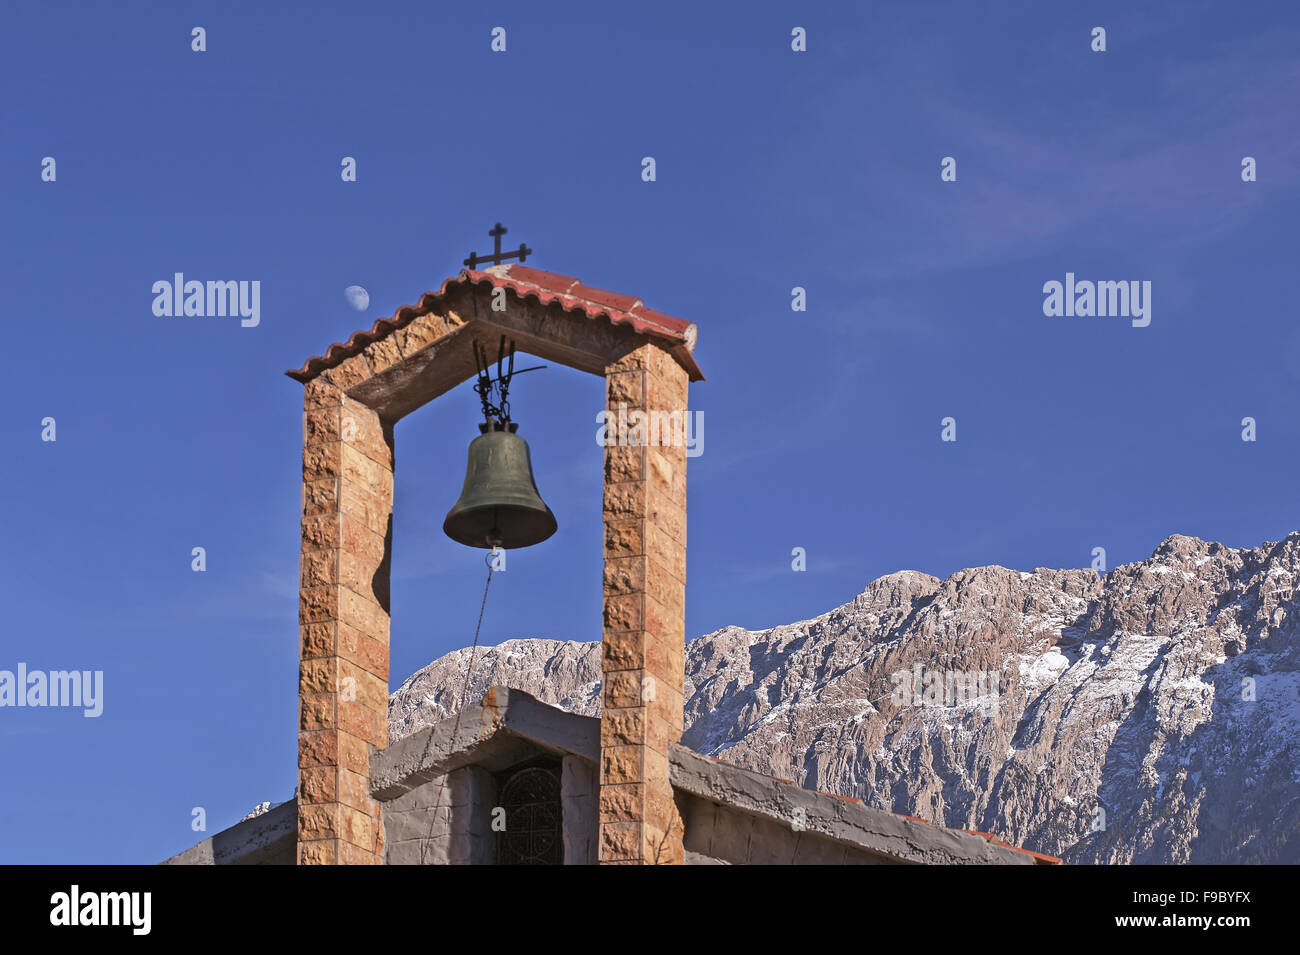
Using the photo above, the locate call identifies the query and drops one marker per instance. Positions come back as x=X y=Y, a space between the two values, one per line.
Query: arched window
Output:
x=534 y=820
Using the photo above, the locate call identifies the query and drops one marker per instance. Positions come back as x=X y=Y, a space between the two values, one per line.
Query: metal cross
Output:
x=497 y=255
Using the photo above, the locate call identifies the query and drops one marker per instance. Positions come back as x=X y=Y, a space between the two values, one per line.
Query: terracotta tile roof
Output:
x=543 y=287
x=1039 y=858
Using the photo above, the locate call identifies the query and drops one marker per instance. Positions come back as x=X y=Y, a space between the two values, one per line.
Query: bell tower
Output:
x=354 y=395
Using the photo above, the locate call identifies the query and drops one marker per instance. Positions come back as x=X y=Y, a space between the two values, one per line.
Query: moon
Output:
x=357 y=297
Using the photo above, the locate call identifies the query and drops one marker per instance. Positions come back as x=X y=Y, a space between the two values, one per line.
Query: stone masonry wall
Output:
x=347 y=496
x=644 y=618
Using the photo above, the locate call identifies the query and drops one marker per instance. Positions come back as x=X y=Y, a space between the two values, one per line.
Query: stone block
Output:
x=422 y=332
x=363 y=722
x=666 y=706
x=320 y=497
x=625 y=575
x=659 y=471
x=316 y=711
x=321 y=533
x=319 y=393
x=316 y=640
x=317 y=785
x=623 y=464
x=661 y=364
x=625 y=538
x=625 y=502
x=366 y=474
x=318 y=748
x=382 y=354
x=668 y=393
x=663 y=623
x=621 y=764
x=317 y=605
x=322 y=462
x=623 y=727
x=622 y=688
x=317 y=822
x=349 y=373
x=320 y=426
x=366 y=509
x=361 y=541
x=624 y=612
x=666 y=590
x=362 y=429
x=620 y=841
x=356 y=827
x=656 y=847
x=666 y=553
x=623 y=650
x=625 y=388
x=661 y=808
x=622 y=802
x=367 y=652
x=357 y=575
x=320 y=852
x=362 y=614
x=353 y=754
x=666 y=514
x=349 y=854
x=319 y=675
x=318 y=569
x=361 y=685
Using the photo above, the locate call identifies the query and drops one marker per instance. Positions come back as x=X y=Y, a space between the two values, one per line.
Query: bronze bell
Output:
x=499 y=505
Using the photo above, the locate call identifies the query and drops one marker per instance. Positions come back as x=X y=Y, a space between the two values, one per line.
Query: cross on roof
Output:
x=497 y=256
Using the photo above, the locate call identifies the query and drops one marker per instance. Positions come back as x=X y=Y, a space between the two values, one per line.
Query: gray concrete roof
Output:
x=502 y=727
x=844 y=820
x=508 y=725
x=254 y=841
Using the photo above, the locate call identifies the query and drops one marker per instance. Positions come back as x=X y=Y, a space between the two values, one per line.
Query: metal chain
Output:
x=486 y=384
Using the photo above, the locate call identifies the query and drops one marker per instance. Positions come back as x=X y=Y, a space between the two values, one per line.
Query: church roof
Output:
x=546 y=288
x=507 y=725
x=485 y=731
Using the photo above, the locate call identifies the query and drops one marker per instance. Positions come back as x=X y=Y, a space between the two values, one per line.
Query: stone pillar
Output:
x=347 y=501
x=644 y=630
x=580 y=806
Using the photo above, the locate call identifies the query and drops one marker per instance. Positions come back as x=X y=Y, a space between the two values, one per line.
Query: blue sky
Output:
x=775 y=169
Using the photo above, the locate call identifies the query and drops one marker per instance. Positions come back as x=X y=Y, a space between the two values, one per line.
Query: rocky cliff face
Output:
x=1150 y=715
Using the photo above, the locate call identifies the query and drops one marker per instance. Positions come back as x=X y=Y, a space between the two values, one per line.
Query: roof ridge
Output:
x=567 y=291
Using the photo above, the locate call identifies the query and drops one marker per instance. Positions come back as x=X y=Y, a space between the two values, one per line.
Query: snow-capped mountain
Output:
x=1148 y=715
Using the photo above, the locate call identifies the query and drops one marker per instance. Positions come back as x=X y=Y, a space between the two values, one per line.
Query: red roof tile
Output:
x=1040 y=857
x=545 y=288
